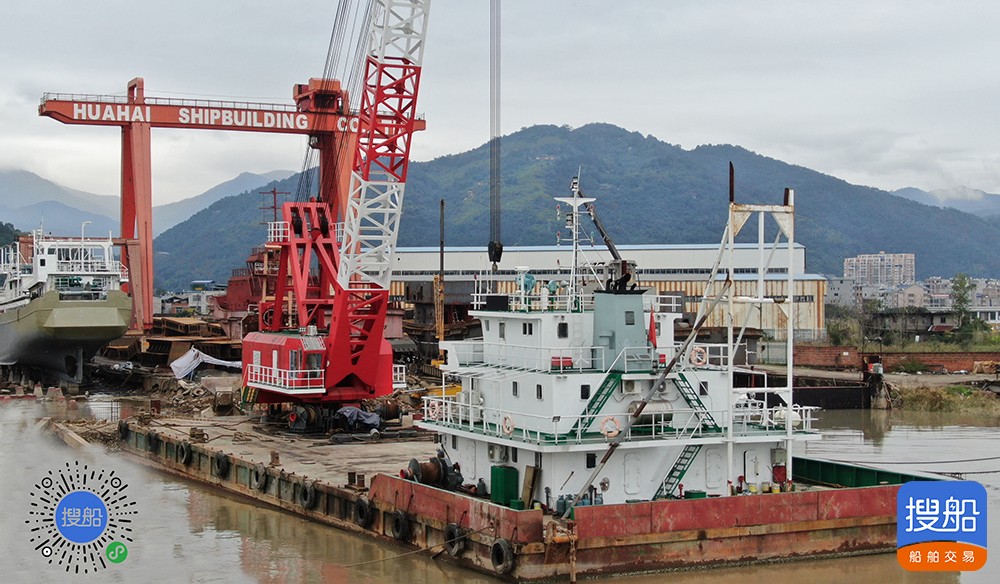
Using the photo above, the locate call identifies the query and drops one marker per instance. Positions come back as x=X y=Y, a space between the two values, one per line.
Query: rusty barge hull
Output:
x=605 y=539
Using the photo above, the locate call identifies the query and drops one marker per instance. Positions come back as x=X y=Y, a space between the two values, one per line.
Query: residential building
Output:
x=881 y=269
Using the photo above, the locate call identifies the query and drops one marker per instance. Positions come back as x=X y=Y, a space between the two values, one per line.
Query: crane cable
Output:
x=352 y=18
x=495 y=246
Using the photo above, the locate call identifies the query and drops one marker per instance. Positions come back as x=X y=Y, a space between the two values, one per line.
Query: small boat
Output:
x=60 y=302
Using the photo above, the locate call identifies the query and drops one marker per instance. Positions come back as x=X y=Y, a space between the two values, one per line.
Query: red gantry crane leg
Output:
x=137 y=208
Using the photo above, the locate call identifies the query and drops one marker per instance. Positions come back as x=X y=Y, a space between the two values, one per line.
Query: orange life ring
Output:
x=507 y=426
x=433 y=410
x=699 y=356
x=610 y=427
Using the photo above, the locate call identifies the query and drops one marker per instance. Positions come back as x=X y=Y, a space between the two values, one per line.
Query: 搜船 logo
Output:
x=80 y=518
x=941 y=526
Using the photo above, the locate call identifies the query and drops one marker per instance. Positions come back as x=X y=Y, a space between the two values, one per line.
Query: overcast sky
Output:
x=890 y=94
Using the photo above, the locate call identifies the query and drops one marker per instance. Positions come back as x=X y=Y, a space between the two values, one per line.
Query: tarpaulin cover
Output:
x=188 y=362
x=359 y=418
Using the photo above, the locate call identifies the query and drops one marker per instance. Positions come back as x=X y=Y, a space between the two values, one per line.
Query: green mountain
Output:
x=170 y=214
x=965 y=199
x=648 y=191
x=217 y=239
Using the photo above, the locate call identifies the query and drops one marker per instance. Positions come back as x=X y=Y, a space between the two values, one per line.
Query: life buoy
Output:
x=184 y=454
x=258 y=477
x=502 y=555
x=454 y=539
x=362 y=513
x=152 y=442
x=433 y=410
x=699 y=356
x=610 y=427
x=307 y=495
x=123 y=429
x=507 y=426
x=220 y=465
x=400 y=526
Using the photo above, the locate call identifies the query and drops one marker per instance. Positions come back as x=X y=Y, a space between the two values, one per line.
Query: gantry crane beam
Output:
x=320 y=111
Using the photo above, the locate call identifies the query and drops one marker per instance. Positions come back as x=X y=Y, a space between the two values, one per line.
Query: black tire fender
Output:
x=307 y=495
x=152 y=442
x=220 y=465
x=502 y=556
x=258 y=477
x=401 y=527
x=363 y=514
x=184 y=454
x=454 y=539
x=123 y=429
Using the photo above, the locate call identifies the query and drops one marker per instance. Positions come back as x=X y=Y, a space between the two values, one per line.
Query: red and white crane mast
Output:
x=337 y=289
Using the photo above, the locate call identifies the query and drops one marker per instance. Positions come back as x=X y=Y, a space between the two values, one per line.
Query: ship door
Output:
x=714 y=475
x=632 y=474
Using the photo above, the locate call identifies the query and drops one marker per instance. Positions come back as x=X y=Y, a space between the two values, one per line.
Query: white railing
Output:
x=504 y=355
x=398 y=376
x=544 y=358
x=277 y=231
x=291 y=381
x=88 y=267
x=556 y=359
x=537 y=302
x=749 y=420
x=707 y=354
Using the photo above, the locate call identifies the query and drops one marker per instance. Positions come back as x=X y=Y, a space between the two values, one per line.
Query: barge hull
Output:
x=604 y=539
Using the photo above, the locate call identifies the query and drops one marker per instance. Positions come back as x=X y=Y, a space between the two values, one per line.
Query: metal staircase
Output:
x=597 y=401
x=692 y=399
x=681 y=466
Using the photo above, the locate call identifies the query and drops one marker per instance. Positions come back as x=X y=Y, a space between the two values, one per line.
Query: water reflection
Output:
x=191 y=534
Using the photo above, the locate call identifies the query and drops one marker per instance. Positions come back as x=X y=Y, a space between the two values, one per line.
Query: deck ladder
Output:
x=681 y=466
x=692 y=399
x=597 y=401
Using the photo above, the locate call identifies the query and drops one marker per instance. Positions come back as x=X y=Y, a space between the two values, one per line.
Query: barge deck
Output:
x=356 y=487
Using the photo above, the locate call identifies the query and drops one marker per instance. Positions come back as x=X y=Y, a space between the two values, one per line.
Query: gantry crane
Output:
x=321 y=341
x=320 y=111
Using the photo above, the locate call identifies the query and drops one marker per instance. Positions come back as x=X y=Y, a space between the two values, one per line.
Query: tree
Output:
x=8 y=234
x=961 y=292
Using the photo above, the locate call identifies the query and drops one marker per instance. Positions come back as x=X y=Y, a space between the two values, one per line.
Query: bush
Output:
x=954 y=398
x=911 y=366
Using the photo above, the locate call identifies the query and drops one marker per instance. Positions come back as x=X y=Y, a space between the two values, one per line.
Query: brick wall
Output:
x=851 y=358
x=827 y=357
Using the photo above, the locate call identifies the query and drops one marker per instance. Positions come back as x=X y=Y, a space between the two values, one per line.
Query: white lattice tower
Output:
x=389 y=97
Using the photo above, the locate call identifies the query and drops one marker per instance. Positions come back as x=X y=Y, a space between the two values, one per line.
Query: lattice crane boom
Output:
x=337 y=288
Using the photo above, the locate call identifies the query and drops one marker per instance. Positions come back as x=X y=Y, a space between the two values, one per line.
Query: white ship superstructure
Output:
x=588 y=395
x=60 y=301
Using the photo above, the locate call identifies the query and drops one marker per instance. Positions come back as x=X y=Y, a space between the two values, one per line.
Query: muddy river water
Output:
x=185 y=533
